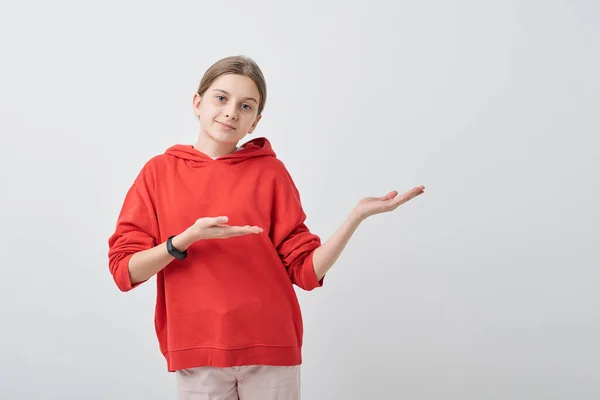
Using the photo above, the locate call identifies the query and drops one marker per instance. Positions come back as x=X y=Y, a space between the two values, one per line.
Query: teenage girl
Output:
x=227 y=318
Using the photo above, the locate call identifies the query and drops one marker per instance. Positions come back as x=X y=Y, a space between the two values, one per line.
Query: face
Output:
x=228 y=109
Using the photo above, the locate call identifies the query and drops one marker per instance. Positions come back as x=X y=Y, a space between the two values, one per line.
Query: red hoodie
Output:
x=231 y=301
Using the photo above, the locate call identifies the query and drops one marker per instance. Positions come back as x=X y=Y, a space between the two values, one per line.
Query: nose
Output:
x=231 y=113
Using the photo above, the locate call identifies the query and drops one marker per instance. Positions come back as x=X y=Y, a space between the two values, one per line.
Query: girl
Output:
x=227 y=317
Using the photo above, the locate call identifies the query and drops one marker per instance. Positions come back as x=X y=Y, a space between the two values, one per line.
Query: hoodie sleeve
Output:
x=136 y=229
x=294 y=242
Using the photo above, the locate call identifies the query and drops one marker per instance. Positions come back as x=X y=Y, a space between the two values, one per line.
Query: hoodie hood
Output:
x=259 y=147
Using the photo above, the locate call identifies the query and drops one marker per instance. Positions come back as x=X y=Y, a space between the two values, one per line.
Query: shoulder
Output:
x=157 y=161
x=279 y=175
x=152 y=168
x=274 y=164
x=153 y=163
x=274 y=168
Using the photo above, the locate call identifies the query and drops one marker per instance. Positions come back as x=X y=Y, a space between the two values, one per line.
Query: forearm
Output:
x=327 y=254
x=147 y=263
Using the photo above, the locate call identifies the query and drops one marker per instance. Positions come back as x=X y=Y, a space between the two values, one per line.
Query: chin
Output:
x=225 y=137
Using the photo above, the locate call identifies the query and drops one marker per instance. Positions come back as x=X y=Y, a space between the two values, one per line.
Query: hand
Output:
x=211 y=228
x=375 y=205
x=217 y=228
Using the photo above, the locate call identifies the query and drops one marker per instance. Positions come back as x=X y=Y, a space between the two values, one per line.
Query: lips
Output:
x=225 y=125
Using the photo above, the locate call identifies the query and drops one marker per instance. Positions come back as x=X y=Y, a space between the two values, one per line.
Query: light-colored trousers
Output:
x=253 y=382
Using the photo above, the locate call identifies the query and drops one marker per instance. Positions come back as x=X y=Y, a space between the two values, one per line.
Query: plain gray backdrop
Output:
x=485 y=287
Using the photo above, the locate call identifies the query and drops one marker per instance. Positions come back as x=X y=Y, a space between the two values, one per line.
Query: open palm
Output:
x=376 y=205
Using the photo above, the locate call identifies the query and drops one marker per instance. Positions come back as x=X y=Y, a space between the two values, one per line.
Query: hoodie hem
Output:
x=223 y=358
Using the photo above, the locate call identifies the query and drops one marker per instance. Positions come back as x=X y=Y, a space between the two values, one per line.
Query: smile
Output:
x=226 y=125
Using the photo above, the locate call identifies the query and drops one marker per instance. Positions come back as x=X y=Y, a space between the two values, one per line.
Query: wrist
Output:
x=182 y=241
x=355 y=218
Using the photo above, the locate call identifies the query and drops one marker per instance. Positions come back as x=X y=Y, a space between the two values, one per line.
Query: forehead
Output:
x=236 y=85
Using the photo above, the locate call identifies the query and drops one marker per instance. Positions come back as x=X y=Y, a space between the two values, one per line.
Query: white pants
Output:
x=254 y=382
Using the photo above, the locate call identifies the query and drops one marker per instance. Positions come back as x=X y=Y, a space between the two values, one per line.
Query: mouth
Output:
x=227 y=126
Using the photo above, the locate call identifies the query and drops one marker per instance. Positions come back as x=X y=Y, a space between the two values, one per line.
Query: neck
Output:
x=211 y=147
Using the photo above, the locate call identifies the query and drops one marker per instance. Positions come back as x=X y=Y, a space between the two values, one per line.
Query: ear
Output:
x=196 y=101
x=253 y=127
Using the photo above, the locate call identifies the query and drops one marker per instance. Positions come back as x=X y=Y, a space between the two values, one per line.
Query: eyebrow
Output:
x=247 y=98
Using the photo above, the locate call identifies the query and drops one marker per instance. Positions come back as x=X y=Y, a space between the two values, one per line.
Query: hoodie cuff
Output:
x=122 y=278
x=309 y=276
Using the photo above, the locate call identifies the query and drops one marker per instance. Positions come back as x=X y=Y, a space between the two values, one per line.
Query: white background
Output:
x=485 y=287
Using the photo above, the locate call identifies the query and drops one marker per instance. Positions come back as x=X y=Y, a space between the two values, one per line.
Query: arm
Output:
x=134 y=255
x=304 y=257
x=146 y=263
x=327 y=254
x=135 y=249
x=136 y=231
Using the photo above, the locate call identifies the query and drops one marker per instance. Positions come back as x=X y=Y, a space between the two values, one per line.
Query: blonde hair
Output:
x=239 y=65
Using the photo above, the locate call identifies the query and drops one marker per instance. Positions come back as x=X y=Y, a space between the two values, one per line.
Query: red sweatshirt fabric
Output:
x=231 y=301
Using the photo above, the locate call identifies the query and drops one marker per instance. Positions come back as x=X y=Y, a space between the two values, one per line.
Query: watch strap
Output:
x=178 y=254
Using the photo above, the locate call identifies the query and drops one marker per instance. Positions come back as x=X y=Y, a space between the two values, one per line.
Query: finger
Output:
x=249 y=228
x=408 y=196
x=242 y=230
x=216 y=221
x=389 y=196
x=241 y=233
x=414 y=192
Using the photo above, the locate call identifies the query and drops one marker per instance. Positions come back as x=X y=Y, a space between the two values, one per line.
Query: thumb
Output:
x=216 y=221
x=390 y=195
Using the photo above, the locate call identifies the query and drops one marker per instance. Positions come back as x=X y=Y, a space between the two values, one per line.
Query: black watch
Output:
x=180 y=255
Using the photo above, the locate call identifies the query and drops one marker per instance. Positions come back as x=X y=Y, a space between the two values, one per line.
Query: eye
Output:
x=221 y=98
x=246 y=106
